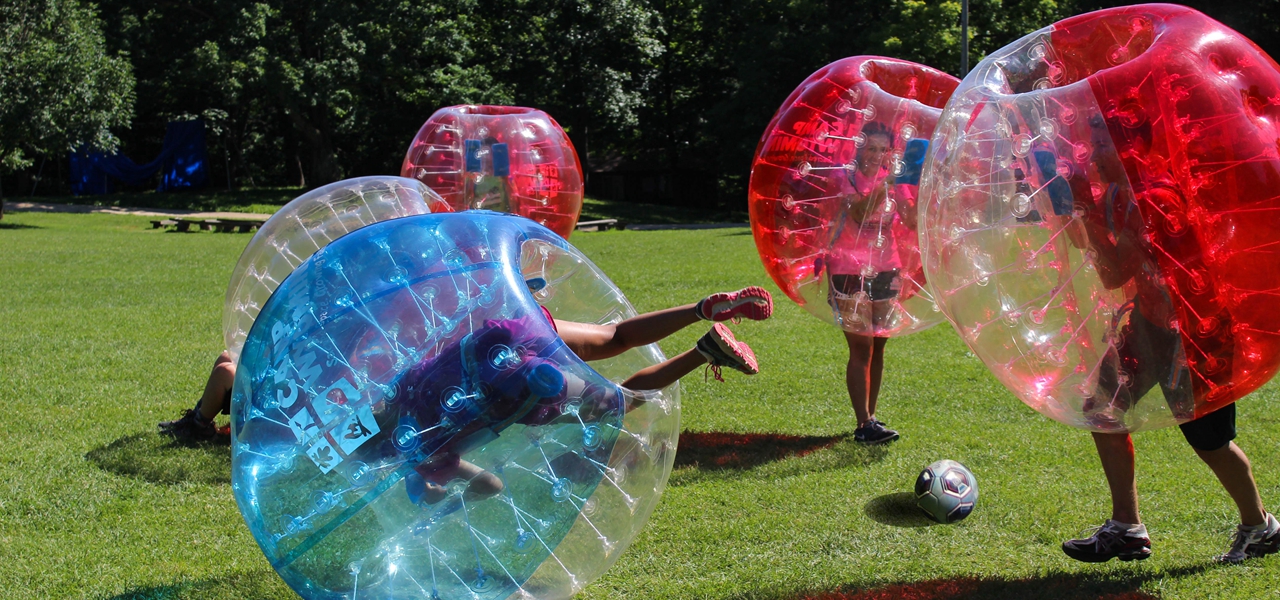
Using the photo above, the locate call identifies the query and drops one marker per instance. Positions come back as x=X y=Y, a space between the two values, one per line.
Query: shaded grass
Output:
x=254 y=200
x=109 y=327
x=268 y=200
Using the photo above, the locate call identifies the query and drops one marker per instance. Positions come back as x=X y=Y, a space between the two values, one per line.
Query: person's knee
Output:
x=861 y=349
x=225 y=371
x=1223 y=452
x=225 y=357
x=484 y=485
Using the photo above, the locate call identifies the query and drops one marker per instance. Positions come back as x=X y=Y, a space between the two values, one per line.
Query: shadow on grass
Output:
x=1054 y=586
x=150 y=457
x=257 y=584
x=4 y=225
x=898 y=510
x=716 y=455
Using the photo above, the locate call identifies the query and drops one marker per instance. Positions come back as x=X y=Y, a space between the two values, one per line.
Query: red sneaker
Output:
x=753 y=303
x=721 y=350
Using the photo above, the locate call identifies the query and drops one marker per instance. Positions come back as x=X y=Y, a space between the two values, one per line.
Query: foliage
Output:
x=59 y=87
x=301 y=93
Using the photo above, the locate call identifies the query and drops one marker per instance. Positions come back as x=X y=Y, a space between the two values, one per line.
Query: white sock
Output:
x=1132 y=528
x=1266 y=522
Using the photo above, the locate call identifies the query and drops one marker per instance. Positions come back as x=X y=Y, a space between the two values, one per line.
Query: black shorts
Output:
x=1212 y=431
x=881 y=287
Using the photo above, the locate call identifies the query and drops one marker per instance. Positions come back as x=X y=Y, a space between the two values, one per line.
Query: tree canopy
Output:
x=59 y=86
x=315 y=90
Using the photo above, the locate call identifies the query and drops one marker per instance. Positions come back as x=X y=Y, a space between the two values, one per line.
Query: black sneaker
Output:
x=189 y=427
x=874 y=432
x=1107 y=541
x=1253 y=544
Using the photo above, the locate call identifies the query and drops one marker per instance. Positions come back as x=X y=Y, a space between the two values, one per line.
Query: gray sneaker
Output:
x=1253 y=544
x=1107 y=541
x=874 y=432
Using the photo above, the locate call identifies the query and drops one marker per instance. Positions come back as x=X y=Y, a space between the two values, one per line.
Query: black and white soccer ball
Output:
x=946 y=491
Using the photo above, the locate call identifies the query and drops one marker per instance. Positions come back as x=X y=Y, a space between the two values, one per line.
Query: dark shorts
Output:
x=1148 y=353
x=880 y=287
x=1212 y=431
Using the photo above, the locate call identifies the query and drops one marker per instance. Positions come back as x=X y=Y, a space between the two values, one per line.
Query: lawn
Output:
x=109 y=327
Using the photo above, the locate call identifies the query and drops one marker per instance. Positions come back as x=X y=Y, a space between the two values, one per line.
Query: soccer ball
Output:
x=946 y=491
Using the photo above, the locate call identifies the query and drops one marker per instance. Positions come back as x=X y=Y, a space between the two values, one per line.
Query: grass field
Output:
x=109 y=326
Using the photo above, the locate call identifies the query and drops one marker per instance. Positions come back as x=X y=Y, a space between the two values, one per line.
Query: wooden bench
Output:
x=219 y=225
x=601 y=225
x=240 y=225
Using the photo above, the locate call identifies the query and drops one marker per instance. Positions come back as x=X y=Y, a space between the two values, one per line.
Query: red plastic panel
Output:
x=1102 y=216
x=502 y=158
x=833 y=193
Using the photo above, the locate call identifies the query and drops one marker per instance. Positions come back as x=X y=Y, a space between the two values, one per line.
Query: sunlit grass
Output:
x=109 y=327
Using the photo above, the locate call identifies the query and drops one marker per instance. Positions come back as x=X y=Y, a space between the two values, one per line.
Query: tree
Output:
x=59 y=87
x=319 y=89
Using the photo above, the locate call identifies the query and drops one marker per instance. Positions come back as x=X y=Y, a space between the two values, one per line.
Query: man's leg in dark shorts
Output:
x=1212 y=431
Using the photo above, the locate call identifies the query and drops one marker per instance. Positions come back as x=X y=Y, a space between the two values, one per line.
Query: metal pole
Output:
x=964 y=38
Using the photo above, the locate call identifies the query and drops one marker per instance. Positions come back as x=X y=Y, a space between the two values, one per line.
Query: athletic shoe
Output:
x=721 y=350
x=189 y=427
x=874 y=432
x=1107 y=541
x=753 y=303
x=1253 y=544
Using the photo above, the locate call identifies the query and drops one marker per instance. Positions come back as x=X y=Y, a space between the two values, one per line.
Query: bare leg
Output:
x=666 y=373
x=481 y=484
x=858 y=375
x=594 y=342
x=216 y=388
x=1232 y=467
x=1116 y=452
x=877 y=369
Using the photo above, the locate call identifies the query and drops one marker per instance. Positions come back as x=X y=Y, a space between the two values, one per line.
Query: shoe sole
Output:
x=891 y=438
x=1094 y=558
x=753 y=302
x=733 y=348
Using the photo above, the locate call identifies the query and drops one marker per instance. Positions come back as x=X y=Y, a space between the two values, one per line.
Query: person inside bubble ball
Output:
x=491 y=190
x=512 y=393
x=864 y=269
x=1146 y=355
x=716 y=349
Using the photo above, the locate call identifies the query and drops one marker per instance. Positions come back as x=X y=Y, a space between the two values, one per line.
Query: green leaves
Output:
x=59 y=87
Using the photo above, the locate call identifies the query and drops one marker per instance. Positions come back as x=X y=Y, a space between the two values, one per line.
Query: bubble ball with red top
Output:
x=502 y=158
x=1100 y=219
x=833 y=193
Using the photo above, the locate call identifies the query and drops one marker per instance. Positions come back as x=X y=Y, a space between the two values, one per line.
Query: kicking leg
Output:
x=594 y=342
x=717 y=348
x=665 y=373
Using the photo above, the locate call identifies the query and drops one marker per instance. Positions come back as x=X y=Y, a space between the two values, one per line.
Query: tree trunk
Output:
x=324 y=160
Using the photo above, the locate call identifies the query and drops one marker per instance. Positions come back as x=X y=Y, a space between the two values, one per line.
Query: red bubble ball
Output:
x=833 y=193
x=1101 y=216
x=502 y=158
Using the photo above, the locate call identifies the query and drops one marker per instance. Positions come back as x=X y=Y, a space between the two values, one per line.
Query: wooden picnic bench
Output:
x=219 y=225
x=600 y=225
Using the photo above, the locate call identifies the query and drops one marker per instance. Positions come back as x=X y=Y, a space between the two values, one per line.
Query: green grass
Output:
x=109 y=327
x=268 y=200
